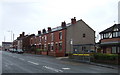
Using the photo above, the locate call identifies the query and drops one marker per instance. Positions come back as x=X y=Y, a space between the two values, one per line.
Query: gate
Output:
x=82 y=52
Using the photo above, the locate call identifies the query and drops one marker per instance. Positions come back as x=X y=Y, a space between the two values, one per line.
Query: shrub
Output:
x=101 y=56
x=38 y=50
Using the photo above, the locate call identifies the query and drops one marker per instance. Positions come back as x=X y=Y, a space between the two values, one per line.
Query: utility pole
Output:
x=4 y=38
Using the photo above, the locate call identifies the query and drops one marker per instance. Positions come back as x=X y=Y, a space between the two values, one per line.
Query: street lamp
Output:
x=12 y=35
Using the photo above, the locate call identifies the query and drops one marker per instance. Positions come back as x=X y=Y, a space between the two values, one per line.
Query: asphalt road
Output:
x=30 y=63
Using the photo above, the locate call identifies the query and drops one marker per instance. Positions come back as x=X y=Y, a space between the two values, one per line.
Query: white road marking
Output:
x=21 y=59
x=14 y=56
x=33 y=63
x=53 y=69
x=65 y=68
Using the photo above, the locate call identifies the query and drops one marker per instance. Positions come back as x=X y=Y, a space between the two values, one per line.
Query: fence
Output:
x=82 y=52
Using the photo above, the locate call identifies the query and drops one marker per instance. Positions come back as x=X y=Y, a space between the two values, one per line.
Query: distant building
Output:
x=18 y=43
x=110 y=39
x=6 y=45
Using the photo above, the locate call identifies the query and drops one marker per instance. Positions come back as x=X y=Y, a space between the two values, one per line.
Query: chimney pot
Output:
x=73 y=20
x=39 y=32
x=44 y=31
x=49 y=29
x=23 y=34
x=63 y=24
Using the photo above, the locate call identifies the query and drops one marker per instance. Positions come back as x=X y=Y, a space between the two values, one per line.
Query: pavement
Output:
x=92 y=63
x=30 y=63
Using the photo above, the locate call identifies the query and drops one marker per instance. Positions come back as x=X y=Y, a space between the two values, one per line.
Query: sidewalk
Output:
x=92 y=63
x=78 y=61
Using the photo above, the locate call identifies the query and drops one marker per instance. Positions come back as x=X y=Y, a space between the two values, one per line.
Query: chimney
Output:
x=23 y=34
x=63 y=24
x=73 y=20
x=20 y=35
x=44 y=31
x=49 y=29
x=39 y=32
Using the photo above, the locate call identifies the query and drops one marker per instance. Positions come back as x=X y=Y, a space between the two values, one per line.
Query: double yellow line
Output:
x=82 y=54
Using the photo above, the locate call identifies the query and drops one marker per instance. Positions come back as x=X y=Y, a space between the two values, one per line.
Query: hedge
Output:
x=101 y=56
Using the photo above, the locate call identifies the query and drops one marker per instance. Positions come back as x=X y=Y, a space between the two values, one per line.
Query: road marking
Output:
x=65 y=68
x=21 y=59
x=33 y=63
x=14 y=56
x=53 y=69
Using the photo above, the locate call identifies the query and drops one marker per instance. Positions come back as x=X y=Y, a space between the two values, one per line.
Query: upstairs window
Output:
x=52 y=37
x=115 y=34
x=60 y=35
x=40 y=38
x=110 y=35
x=119 y=33
x=84 y=35
x=45 y=38
x=101 y=36
x=115 y=29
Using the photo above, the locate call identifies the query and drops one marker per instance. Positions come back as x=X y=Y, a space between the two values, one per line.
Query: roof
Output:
x=6 y=42
x=56 y=29
x=60 y=28
x=110 y=29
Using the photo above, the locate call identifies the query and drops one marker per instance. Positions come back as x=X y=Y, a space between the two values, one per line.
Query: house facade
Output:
x=51 y=40
x=110 y=40
x=58 y=41
x=79 y=33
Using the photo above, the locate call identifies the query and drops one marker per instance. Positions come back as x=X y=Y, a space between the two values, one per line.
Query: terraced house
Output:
x=56 y=41
x=110 y=39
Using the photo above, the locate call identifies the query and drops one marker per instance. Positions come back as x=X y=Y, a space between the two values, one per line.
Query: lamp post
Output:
x=12 y=35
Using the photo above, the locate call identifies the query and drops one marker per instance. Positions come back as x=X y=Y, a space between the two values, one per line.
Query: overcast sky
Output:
x=33 y=15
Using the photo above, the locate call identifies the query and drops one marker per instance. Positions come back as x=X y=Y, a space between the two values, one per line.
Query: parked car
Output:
x=13 y=50
x=20 y=51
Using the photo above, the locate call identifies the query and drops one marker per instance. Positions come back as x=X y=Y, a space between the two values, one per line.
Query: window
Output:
x=60 y=35
x=118 y=50
x=110 y=35
x=113 y=49
x=45 y=47
x=115 y=29
x=48 y=47
x=106 y=35
x=45 y=38
x=115 y=34
x=60 y=46
x=52 y=37
x=40 y=46
x=52 y=48
x=83 y=35
x=40 y=39
x=119 y=33
x=101 y=36
x=56 y=46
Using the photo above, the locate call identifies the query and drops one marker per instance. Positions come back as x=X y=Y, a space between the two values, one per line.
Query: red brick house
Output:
x=56 y=41
x=110 y=39
x=52 y=41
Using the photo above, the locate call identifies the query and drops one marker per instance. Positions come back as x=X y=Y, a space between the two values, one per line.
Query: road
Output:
x=30 y=63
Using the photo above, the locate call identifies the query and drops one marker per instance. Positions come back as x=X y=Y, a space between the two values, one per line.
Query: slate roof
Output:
x=6 y=42
x=110 y=29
